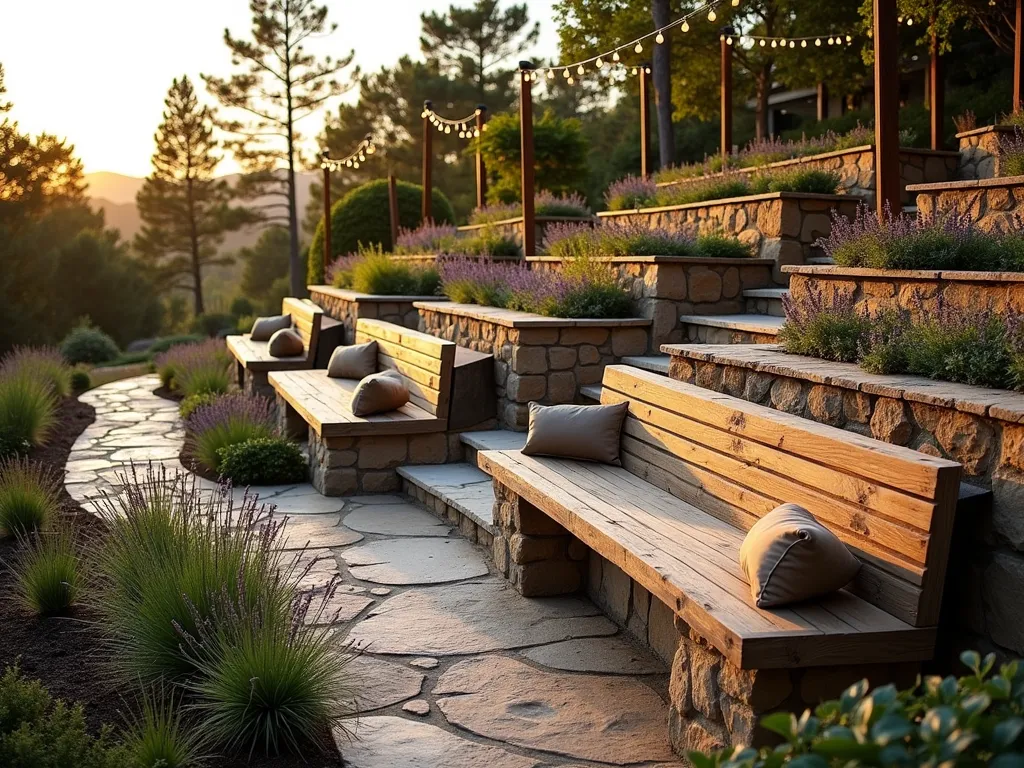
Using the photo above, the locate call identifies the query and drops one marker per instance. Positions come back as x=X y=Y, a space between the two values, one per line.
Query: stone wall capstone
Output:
x=348 y=306
x=994 y=204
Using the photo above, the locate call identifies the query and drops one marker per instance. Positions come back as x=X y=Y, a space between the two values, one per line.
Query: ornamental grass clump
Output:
x=48 y=576
x=160 y=735
x=375 y=272
x=570 y=205
x=29 y=496
x=612 y=238
x=195 y=369
x=28 y=408
x=45 y=364
x=229 y=420
x=951 y=241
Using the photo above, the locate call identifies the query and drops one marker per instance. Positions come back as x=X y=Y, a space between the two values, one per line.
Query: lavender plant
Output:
x=630 y=192
x=229 y=420
x=1011 y=153
x=545 y=203
x=196 y=368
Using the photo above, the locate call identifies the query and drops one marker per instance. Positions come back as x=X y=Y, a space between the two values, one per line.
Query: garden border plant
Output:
x=611 y=239
x=569 y=205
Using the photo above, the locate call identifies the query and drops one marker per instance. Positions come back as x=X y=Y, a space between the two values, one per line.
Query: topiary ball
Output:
x=80 y=381
x=362 y=216
x=88 y=345
x=263 y=461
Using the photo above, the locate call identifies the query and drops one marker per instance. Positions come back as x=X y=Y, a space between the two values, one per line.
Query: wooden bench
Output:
x=254 y=361
x=360 y=453
x=699 y=468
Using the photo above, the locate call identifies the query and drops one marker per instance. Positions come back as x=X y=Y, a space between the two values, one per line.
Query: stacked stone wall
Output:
x=347 y=307
x=996 y=205
x=980 y=151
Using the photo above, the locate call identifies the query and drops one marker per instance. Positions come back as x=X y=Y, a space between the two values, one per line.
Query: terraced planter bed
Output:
x=992 y=203
x=347 y=306
x=546 y=359
x=979 y=427
x=665 y=288
x=779 y=226
x=979 y=150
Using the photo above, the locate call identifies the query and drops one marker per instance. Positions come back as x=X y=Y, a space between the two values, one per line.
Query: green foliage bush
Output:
x=12 y=444
x=374 y=272
x=241 y=306
x=163 y=344
x=212 y=324
x=721 y=247
x=28 y=408
x=88 y=345
x=189 y=404
x=943 y=721
x=48 y=579
x=362 y=217
x=38 y=732
x=228 y=420
x=29 y=496
x=80 y=381
x=263 y=461
x=806 y=180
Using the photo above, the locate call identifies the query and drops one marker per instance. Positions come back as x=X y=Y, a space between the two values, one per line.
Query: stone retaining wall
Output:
x=856 y=169
x=994 y=204
x=981 y=428
x=979 y=151
x=514 y=227
x=667 y=287
x=919 y=292
x=780 y=226
x=348 y=306
x=538 y=358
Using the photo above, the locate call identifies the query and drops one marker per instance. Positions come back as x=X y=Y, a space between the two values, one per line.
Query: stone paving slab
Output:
x=398 y=519
x=415 y=561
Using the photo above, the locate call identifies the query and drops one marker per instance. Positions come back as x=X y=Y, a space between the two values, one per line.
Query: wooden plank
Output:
x=938 y=552
x=398 y=352
x=424 y=378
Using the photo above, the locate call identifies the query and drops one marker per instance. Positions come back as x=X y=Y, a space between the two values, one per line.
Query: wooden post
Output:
x=726 y=138
x=936 y=95
x=822 y=101
x=428 y=162
x=1018 y=56
x=526 y=157
x=327 y=211
x=481 y=172
x=645 y=120
x=393 y=209
x=887 y=108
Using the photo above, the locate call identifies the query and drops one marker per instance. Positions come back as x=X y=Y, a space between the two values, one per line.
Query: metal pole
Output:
x=726 y=106
x=1018 y=56
x=428 y=161
x=327 y=212
x=887 y=107
x=393 y=209
x=936 y=95
x=645 y=119
x=526 y=156
x=481 y=172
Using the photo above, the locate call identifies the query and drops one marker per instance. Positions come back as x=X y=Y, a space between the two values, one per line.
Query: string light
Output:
x=461 y=126
x=787 y=42
x=366 y=147
x=659 y=39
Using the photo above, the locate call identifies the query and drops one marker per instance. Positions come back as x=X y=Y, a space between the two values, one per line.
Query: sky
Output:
x=101 y=75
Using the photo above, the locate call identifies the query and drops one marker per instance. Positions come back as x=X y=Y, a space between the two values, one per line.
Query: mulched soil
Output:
x=168 y=394
x=66 y=652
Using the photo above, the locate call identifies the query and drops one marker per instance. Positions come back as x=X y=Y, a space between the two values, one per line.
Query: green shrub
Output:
x=263 y=461
x=242 y=306
x=12 y=444
x=362 y=217
x=229 y=420
x=190 y=403
x=806 y=180
x=47 y=575
x=601 y=300
x=971 y=351
x=699 y=190
x=80 y=381
x=38 y=732
x=829 y=331
x=164 y=344
x=88 y=345
x=380 y=275
x=159 y=737
x=198 y=368
x=721 y=247
x=971 y=721
x=212 y=324
x=28 y=408
x=29 y=496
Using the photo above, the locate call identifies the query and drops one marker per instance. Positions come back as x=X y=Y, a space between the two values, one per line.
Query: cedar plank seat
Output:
x=699 y=468
x=352 y=453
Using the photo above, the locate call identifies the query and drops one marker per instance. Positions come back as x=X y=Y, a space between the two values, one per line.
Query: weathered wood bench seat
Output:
x=253 y=359
x=351 y=453
x=699 y=468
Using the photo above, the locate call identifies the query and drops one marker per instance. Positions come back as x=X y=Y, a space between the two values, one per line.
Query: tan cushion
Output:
x=588 y=432
x=379 y=393
x=789 y=556
x=265 y=327
x=354 y=362
x=286 y=343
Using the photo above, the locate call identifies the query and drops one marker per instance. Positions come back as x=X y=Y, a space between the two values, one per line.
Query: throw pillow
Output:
x=379 y=393
x=588 y=432
x=286 y=343
x=265 y=327
x=355 y=362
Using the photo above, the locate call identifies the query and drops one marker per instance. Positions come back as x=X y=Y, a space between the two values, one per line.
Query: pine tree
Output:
x=279 y=85
x=185 y=211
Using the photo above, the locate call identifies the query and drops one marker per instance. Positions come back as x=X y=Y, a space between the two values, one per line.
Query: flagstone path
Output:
x=456 y=669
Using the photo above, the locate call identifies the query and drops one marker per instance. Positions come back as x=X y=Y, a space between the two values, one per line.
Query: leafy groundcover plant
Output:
x=944 y=241
x=545 y=204
x=943 y=721
x=585 y=288
x=969 y=346
x=263 y=461
x=229 y=420
x=612 y=238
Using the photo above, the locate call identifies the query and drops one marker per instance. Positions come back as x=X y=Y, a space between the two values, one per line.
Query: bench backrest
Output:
x=306 y=319
x=425 y=362
x=738 y=460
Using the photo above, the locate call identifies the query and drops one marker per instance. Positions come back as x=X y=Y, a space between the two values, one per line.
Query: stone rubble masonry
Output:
x=254 y=382
x=467 y=526
x=536 y=358
x=780 y=226
x=666 y=287
x=979 y=151
x=856 y=168
x=981 y=428
x=712 y=702
x=993 y=203
x=348 y=306
x=919 y=292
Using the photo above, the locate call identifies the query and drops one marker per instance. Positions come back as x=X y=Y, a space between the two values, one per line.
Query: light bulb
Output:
x=639 y=48
x=803 y=43
x=686 y=26
x=818 y=42
x=763 y=43
x=551 y=74
x=899 y=19
x=348 y=163
x=462 y=135
x=371 y=149
x=792 y=44
x=712 y=15
x=355 y=165
x=447 y=129
x=735 y=3
x=659 y=39
x=580 y=70
x=615 y=56
x=647 y=70
x=728 y=41
x=476 y=133
x=910 y=22
x=571 y=81
x=600 y=62
x=830 y=42
x=566 y=73
x=775 y=43
x=849 y=38
x=423 y=114
x=362 y=158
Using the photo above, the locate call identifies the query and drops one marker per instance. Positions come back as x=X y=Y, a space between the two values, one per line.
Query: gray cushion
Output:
x=379 y=393
x=286 y=343
x=788 y=556
x=265 y=327
x=354 y=362
x=588 y=432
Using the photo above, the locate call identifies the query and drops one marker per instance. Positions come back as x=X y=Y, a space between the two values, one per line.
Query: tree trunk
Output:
x=661 y=74
x=197 y=276
x=764 y=89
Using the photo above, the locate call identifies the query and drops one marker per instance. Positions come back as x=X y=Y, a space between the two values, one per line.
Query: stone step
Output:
x=652 y=363
x=765 y=301
x=591 y=392
x=731 y=329
x=491 y=440
x=459 y=493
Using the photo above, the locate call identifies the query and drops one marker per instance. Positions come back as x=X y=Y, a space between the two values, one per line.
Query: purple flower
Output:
x=230 y=408
x=427 y=238
x=630 y=192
